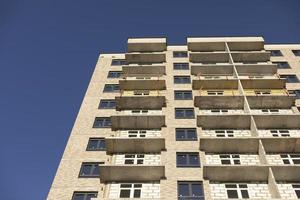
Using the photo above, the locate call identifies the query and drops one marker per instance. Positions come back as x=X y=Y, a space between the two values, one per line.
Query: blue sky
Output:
x=48 y=50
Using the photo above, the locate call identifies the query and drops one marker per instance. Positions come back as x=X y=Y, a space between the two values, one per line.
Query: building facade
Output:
x=216 y=118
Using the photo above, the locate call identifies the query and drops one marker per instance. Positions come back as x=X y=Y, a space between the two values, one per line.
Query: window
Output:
x=296 y=188
x=187 y=160
x=181 y=66
x=114 y=74
x=295 y=92
x=180 y=54
x=290 y=78
x=280 y=133
x=230 y=159
x=282 y=65
x=89 y=170
x=190 y=190
x=111 y=88
x=107 y=104
x=224 y=133
x=118 y=62
x=137 y=134
x=265 y=92
x=139 y=111
x=276 y=53
x=290 y=159
x=130 y=190
x=102 y=122
x=141 y=92
x=96 y=144
x=182 y=79
x=269 y=111
x=134 y=159
x=186 y=134
x=184 y=113
x=212 y=77
x=183 y=95
x=219 y=111
x=84 y=195
x=237 y=191
x=296 y=52
x=211 y=92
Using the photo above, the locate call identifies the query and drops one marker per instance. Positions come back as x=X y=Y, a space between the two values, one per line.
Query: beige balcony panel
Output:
x=140 y=102
x=264 y=101
x=222 y=102
x=146 y=44
x=264 y=83
x=282 y=145
x=251 y=56
x=220 y=84
x=137 y=122
x=134 y=145
x=236 y=173
x=256 y=69
x=212 y=70
x=145 y=57
x=277 y=121
x=140 y=84
x=223 y=121
x=229 y=145
x=109 y=173
x=286 y=173
x=216 y=57
x=144 y=69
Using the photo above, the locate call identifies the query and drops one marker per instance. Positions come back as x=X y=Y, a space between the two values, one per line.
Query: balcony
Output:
x=209 y=57
x=277 y=121
x=213 y=82
x=228 y=121
x=256 y=69
x=222 y=133
x=155 y=69
x=250 y=56
x=266 y=92
x=138 y=119
x=145 y=57
x=140 y=100
x=146 y=44
x=265 y=82
x=276 y=145
x=219 y=102
x=207 y=69
x=143 y=83
x=270 y=101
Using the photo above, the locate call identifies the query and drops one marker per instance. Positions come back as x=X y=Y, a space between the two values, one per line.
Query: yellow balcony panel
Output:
x=204 y=57
x=137 y=122
x=155 y=57
x=277 y=121
x=287 y=173
x=229 y=145
x=229 y=121
x=147 y=83
x=256 y=69
x=146 y=44
x=208 y=69
x=215 y=102
x=265 y=92
x=206 y=84
x=264 y=83
x=236 y=173
x=217 y=92
x=140 y=102
x=110 y=173
x=134 y=145
x=250 y=56
x=131 y=70
x=270 y=101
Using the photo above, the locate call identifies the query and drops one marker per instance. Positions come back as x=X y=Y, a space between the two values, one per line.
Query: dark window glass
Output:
x=102 y=122
x=107 y=104
x=84 y=195
x=276 y=53
x=183 y=95
x=96 y=144
x=186 y=134
x=180 y=54
x=182 y=79
x=114 y=74
x=184 y=113
x=232 y=194
x=181 y=66
x=111 y=88
x=282 y=65
x=187 y=160
x=137 y=193
x=118 y=62
x=296 y=52
x=124 y=193
x=290 y=78
x=190 y=190
x=245 y=194
x=89 y=170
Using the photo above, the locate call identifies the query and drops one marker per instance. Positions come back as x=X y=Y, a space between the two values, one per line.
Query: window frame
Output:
x=290 y=159
x=290 y=78
x=188 y=158
x=98 y=145
x=296 y=52
x=85 y=193
x=94 y=165
x=184 y=94
x=131 y=189
x=107 y=101
x=114 y=74
x=179 y=79
x=238 y=190
x=181 y=66
x=276 y=53
x=184 y=116
x=282 y=64
x=118 y=62
x=185 y=132
x=180 y=54
x=190 y=190
x=106 y=122
x=113 y=87
x=234 y=159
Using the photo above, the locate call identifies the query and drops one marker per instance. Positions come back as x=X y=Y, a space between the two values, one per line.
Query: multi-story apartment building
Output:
x=216 y=118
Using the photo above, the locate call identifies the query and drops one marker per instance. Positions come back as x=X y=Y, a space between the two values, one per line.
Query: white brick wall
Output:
x=149 y=159
x=286 y=191
x=267 y=133
x=255 y=190
x=246 y=159
x=236 y=133
x=149 y=133
x=274 y=159
x=149 y=191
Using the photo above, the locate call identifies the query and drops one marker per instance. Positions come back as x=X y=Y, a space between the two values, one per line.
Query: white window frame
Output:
x=141 y=92
x=226 y=133
x=139 y=112
x=215 y=92
x=261 y=92
x=278 y=133
x=290 y=159
x=132 y=189
x=220 y=111
x=231 y=158
x=138 y=159
x=296 y=188
x=238 y=189
x=137 y=133
x=270 y=111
